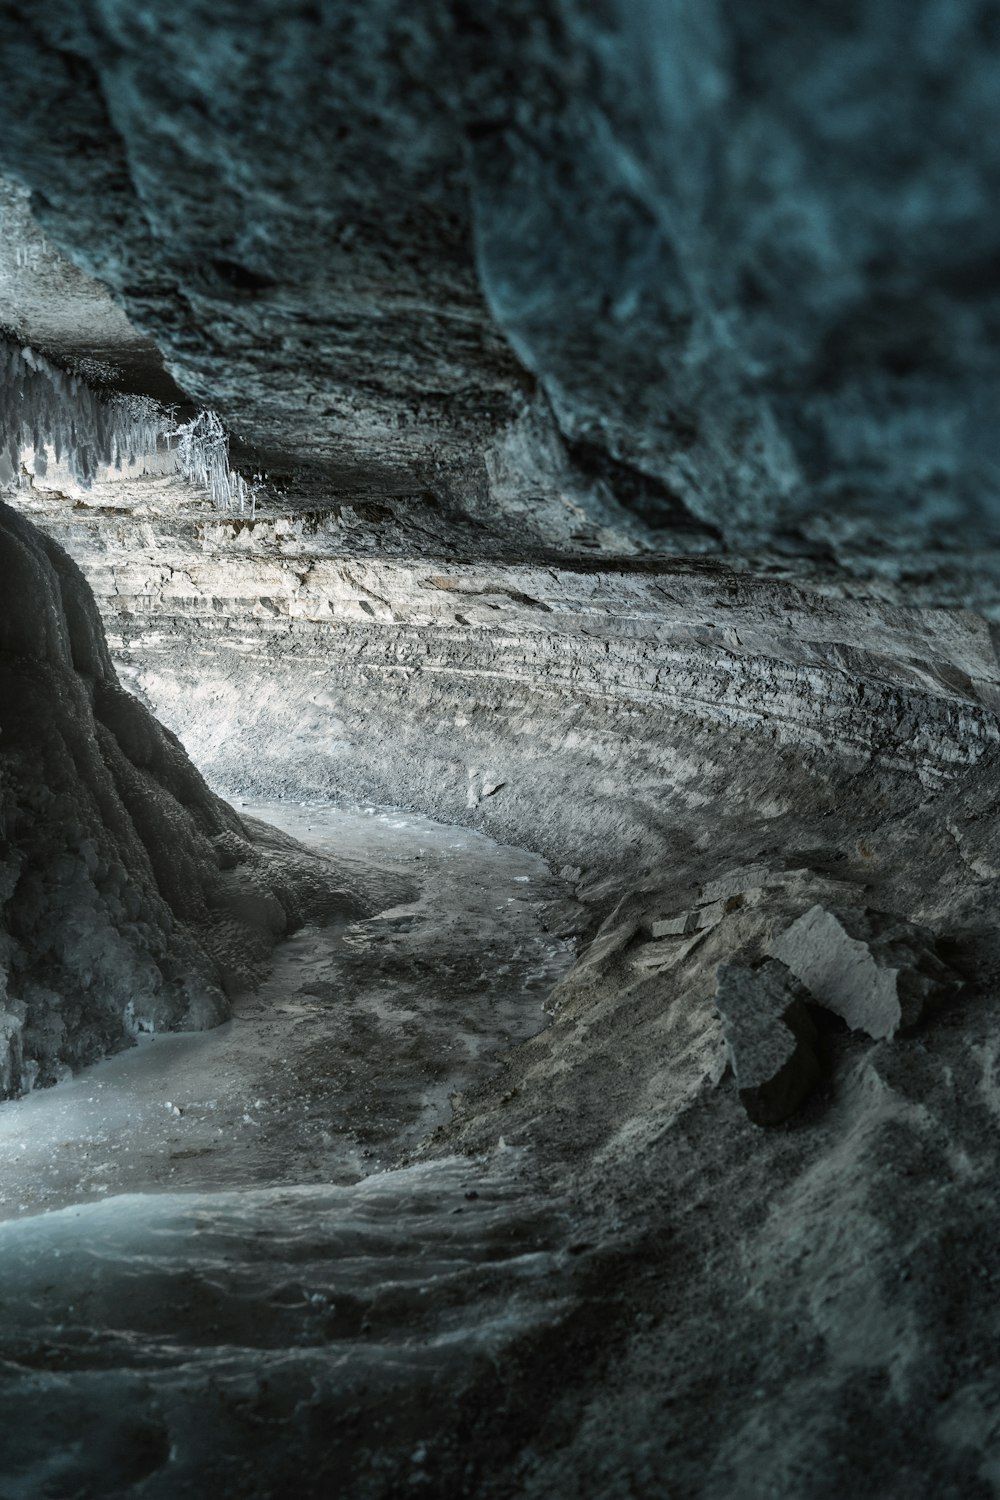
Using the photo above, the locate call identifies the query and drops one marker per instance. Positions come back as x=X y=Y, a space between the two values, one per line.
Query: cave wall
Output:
x=531 y=293
x=133 y=897
x=591 y=711
x=712 y=271
x=519 y=303
x=326 y=254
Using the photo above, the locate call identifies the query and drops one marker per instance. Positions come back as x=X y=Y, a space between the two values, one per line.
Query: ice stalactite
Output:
x=203 y=459
x=46 y=409
x=43 y=407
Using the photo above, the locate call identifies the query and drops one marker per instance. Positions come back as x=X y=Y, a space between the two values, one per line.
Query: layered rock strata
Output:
x=523 y=306
x=593 y=710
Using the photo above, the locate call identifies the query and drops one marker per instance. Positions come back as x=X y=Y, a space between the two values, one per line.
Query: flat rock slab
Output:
x=876 y=971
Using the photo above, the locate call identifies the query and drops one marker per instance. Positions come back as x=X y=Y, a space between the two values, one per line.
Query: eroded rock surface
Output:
x=874 y=971
x=771 y=1038
x=627 y=276
x=132 y=896
x=625 y=374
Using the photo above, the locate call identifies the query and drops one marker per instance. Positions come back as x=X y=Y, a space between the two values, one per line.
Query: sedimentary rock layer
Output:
x=533 y=698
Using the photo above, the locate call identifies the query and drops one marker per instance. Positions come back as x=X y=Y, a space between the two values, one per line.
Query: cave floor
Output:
x=227 y=1268
x=347 y=1055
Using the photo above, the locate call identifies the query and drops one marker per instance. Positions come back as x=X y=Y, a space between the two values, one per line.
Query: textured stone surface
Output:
x=873 y=971
x=132 y=896
x=773 y=1044
x=626 y=375
x=697 y=271
x=594 y=701
x=50 y=305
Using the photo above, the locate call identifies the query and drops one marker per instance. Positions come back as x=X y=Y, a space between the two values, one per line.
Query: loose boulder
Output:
x=878 y=972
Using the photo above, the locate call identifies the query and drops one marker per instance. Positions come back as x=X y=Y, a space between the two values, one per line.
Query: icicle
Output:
x=42 y=406
x=203 y=459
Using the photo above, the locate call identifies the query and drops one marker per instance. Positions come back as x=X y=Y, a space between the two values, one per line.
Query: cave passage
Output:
x=499 y=750
x=347 y=1055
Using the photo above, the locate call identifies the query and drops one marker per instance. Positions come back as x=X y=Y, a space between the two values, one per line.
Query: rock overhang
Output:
x=617 y=278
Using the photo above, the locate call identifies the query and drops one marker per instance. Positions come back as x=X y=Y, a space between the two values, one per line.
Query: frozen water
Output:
x=293 y=1321
x=203 y=459
x=49 y=414
x=346 y=1057
x=45 y=409
x=278 y=1341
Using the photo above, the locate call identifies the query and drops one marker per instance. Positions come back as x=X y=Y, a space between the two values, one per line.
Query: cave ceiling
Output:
x=617 y=277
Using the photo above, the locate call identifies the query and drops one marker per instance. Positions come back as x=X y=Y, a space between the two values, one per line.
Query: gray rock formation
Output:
x=637 y=274
x=876 y=972
x=773 y=1044
x=133 y=899
x=623 y=374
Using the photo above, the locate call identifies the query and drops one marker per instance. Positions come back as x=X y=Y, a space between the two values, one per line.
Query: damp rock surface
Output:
x=640 y=278
x=351 y=1051
x=300 y=1305
x=118 y=916
x=625 y=378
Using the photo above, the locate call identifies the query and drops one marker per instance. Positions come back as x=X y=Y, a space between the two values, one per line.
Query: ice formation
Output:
x=44 y=408
x=203 y=459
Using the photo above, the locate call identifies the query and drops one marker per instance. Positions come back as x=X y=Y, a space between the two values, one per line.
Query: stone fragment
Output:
x=666 y=954
x=682 y=924
x=740 y=888
x=749 y=878
x=676 y=926
x=978 y=845
x=773 y=1045
x=876 y=971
